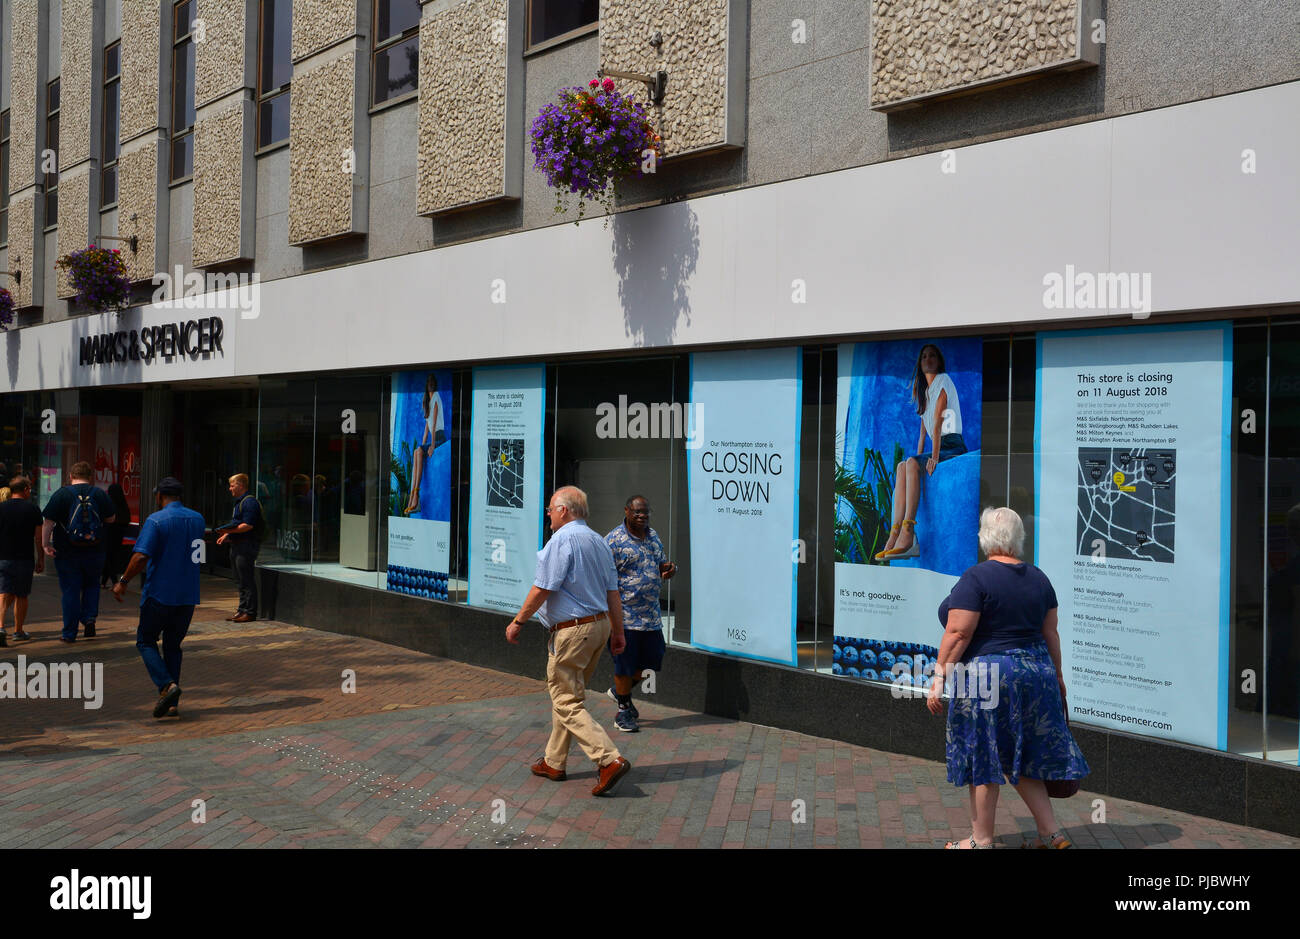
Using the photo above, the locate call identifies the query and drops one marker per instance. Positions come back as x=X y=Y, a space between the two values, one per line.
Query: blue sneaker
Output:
x=636 y=715
x=625 y=720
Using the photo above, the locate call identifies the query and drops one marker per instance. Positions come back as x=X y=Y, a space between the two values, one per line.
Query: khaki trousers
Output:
x=574 y=653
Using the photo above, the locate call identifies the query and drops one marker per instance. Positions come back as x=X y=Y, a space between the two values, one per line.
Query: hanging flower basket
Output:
x=6 y=309
x=99 y=277
x=590 y=140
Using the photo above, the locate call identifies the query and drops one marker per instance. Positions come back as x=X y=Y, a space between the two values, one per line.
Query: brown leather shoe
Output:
x=609 y=775
x=244 y=618
x=542 y=768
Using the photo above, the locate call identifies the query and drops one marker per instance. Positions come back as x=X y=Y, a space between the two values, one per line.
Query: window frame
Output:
x=106 y=165
x=4 y=177
x=383 y=45
x=264 y=95
x=543 y=44
x=50 y=193
x=178 y=134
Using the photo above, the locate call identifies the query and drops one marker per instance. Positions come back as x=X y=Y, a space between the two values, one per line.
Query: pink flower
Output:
x=594 y=82
x=608 y=84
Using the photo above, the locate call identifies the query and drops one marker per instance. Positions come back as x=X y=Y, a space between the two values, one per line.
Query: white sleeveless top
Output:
x=434 y=422
x=942 y=383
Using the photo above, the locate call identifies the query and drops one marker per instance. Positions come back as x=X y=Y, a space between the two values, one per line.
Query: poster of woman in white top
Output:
x=419 y=484
x=907 y=497
x=433 y=436
x=939 y=406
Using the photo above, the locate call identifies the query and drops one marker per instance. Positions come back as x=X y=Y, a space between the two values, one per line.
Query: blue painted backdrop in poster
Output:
x=743 y=483
x=1132 y=482
x=505 y=494
x=886 y=605
x=419 y=485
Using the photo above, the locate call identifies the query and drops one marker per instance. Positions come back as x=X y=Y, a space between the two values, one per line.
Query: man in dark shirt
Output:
x=73 y=534
x=170 y=542
x=20 y=553
x=244 y=533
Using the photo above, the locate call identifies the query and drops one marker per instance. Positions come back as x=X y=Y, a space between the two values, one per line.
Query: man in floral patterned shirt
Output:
x=642 y=567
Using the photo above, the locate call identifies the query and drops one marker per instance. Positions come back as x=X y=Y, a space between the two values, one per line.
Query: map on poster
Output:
x=505 y=473
x=505 y=497
x=1126 y=502
x=1133 y=428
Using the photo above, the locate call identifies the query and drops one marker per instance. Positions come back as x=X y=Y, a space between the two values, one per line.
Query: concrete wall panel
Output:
x=222 y=194
x=322 y=148
x=140 y=52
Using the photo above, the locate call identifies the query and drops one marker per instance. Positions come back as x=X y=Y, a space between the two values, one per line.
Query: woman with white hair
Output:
x=1006 y=716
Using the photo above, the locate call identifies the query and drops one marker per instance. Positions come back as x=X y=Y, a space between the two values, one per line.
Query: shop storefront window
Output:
x=807 y=450
x=286 y=419
x=51 y=440
x=606 y=445
x=1281 y=528
x=1246 y=671
x=347 y=479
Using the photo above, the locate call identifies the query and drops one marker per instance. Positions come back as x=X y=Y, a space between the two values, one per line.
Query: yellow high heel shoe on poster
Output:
x=911 y=551
x=880 y=555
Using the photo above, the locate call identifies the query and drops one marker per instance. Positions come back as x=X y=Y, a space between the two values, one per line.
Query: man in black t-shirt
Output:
x=20 y=553
x=73 y=534
x=244 y=534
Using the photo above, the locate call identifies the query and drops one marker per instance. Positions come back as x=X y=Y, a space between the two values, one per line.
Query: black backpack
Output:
x=85 y=527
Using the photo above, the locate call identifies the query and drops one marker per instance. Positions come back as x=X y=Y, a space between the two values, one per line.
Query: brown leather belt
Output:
x=580 y=621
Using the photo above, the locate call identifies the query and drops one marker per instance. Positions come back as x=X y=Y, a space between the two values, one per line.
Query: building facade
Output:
x=351 y=282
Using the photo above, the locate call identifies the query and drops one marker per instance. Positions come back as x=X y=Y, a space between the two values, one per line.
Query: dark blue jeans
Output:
x=243 y=558
x=170 y=622
x=79 y=583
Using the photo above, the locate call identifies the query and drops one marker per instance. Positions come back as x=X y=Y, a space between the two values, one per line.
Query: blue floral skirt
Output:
x=1025 y=734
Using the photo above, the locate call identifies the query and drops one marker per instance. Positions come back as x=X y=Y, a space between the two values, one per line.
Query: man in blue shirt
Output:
x=73 y=534
x=575 y=594
x=642 y=568
x=171 y=543
x=244 y=532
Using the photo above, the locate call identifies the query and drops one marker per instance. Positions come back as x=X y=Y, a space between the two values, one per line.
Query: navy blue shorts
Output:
x=645 y=649
x=16 y=577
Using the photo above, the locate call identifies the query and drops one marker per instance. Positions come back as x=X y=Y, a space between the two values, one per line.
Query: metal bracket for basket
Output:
x=133 y=241
x=656 y=84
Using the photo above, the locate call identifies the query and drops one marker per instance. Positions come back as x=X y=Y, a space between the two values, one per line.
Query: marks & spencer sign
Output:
x=187 y=339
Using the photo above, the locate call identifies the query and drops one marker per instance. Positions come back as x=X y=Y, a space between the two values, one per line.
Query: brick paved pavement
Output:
x=435 y=753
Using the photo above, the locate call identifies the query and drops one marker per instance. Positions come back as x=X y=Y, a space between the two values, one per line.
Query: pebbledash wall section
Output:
x=891 y=248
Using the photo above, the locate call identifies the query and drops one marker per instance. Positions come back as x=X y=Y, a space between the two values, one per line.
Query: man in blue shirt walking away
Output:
x=171 y=543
